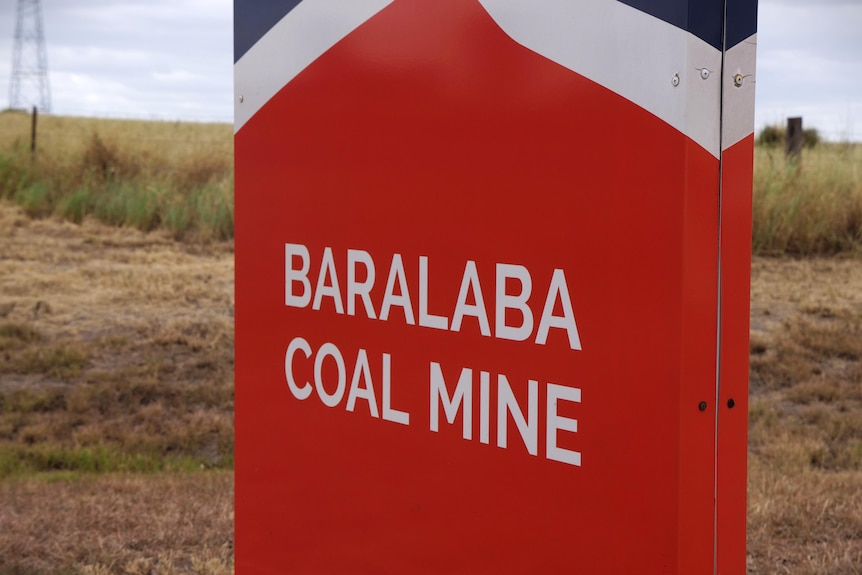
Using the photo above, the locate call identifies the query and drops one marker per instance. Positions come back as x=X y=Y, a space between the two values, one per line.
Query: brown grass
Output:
x=805 y=418
x=116 y=349
x=116 y=368
x=810 y=206
x=146 y=175
x=804 y=523
x=179 y=177
x=137 y=525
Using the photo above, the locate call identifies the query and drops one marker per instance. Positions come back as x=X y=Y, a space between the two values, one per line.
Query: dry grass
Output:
x=813 y=206
x=804 y=523
x=146 y=175
x=136 y=525
x=179 y=177
x=116 y=368
x=116 y=349
x=805 y=417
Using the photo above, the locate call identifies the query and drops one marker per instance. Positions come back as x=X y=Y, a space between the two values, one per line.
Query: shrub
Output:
x=774 y=136
x=771 y=136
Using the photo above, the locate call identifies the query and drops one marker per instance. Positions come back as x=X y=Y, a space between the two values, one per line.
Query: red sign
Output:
x=492 y=296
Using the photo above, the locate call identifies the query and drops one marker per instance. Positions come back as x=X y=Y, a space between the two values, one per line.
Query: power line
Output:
x=29 y=86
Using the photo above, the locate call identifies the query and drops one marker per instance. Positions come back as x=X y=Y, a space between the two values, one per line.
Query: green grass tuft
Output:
x=146 y=175
x=813 y=207
x=179 y=177
x=18 y=460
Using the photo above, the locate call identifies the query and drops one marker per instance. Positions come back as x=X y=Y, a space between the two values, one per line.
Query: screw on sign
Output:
x=467 y=340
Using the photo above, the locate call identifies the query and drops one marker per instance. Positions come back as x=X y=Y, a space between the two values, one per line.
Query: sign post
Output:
x=492 y=264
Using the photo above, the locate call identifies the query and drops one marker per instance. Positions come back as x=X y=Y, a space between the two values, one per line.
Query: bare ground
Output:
x=116 y=372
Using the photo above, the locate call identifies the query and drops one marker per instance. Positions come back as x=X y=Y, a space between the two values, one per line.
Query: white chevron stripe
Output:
x=623 y=49
x=738 y=122
x=297 y=40
x=627 y=51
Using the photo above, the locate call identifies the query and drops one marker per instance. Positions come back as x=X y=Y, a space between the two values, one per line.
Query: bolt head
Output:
x=704 y=73
x=675 y=80
x=737 y=80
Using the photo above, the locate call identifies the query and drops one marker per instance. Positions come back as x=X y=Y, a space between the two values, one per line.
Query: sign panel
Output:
x=492 y=285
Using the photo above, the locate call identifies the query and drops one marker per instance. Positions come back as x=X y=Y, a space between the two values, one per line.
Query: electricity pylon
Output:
x=29 y=86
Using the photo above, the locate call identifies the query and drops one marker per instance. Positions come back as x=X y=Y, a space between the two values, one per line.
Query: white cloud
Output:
x=160 y=58
x=810 y=65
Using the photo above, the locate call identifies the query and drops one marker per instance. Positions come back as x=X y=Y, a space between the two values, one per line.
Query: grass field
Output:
x=116 y=354
x=179 y=177
x=805 y=417
x=812 y=206
x=116 y=400
x=145 y=175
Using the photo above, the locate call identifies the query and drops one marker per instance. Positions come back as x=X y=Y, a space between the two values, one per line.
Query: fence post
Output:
x=793 y=144
x=33 y=132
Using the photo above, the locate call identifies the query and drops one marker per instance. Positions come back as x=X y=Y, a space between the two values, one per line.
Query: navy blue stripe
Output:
x=741 y=21
x=702 y=18
x=254 y=18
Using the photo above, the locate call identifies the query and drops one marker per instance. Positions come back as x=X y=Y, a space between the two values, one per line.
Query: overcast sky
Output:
x=172 y=59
